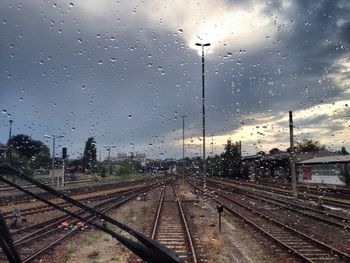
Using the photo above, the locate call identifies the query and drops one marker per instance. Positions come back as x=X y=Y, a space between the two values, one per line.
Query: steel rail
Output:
x=45 y=208
x=286 y=192
x=145 y=247
x=89 y=218
x=188 y=234
x=47 y=229
x=156 y=221
x=281 y=225
x=295 y=207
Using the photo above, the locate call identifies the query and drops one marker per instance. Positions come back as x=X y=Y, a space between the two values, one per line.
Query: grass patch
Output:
x=67 y=253
x=94 y=255
x=90 y=239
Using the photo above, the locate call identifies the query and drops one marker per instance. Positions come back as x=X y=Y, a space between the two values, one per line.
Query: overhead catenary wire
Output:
x=147 y=249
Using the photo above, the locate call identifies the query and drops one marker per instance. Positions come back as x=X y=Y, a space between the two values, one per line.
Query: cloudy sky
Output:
x=126 y=71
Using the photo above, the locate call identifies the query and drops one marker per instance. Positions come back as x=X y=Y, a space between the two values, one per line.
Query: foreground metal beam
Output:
x=147 y=248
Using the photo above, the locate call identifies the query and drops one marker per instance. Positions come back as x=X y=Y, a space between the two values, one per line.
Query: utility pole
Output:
x=9 y=146
x=292 y=156
x=183 y=147
x=53 y=137
x=108 y=147
x=9 y=152
x=203 y=101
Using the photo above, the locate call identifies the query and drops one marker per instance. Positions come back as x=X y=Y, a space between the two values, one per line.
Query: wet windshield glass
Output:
x=252 y=94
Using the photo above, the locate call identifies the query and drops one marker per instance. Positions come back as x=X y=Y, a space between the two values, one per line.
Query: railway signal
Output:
x=220 y=209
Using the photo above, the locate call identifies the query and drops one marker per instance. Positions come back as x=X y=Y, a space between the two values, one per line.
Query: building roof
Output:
x=327 y=159
x=3 y=147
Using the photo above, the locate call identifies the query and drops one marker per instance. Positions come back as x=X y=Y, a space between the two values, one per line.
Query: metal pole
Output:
x=109 y=161
x=53 y=160
x=203 y=109
x=10 y=132
x=183 y=148
x=9 y=148
x=292 y=156
x=63 y=173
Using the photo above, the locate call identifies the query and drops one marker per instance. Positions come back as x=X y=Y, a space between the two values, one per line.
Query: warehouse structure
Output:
x=324 y=170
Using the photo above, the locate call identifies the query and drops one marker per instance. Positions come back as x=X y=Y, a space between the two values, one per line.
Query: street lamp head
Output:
x=203 y=45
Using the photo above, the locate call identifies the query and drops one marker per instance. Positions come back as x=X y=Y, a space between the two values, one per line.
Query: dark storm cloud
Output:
x=125 y=83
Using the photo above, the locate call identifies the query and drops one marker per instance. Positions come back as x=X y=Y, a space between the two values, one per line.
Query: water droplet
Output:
x=21 y=99
x=79 y=40
x=130 y=116
x=71 y=4
x=113 y=59
x=4 y=21
x=4 y=111
x=73 y=129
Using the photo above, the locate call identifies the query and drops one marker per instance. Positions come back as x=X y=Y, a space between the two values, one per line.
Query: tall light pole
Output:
x=8 y=143
x=108 y=148
x=203 y=101
x=292 y=156
x=183 y=147
x=53 y=137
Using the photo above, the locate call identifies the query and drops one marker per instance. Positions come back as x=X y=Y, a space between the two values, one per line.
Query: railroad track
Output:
x=325 y=216
x=46 y=208
x=331 y=201
x=21 y=198
x=300 y=244
x=328 y=190
x=32 y=244
x=4 y=187
x=170 y=226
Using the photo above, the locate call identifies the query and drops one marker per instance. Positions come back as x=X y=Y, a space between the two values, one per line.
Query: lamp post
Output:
x=108 y=148
x=183 y=147
x=53 y=137
x=203 y=101
x=8 y=143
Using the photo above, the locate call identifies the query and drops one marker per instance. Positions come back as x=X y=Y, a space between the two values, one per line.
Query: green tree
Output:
x=274 y=150
x=231 y=160
x=215 y=165
x=26 y=146
x=42 y=159
x=344 y=151
x=90 y=155
x=129 y=167
x=309 y=146
x=30 y=154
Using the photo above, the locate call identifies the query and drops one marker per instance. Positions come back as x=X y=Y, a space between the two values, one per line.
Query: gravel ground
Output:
x=332 y=235
x=237 y=242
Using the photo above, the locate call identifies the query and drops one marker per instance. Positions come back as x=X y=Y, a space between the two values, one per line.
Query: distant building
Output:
x=121 y=157
x=3 y=152
x=324 y=170
x=140 y=157
x=273 y=165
